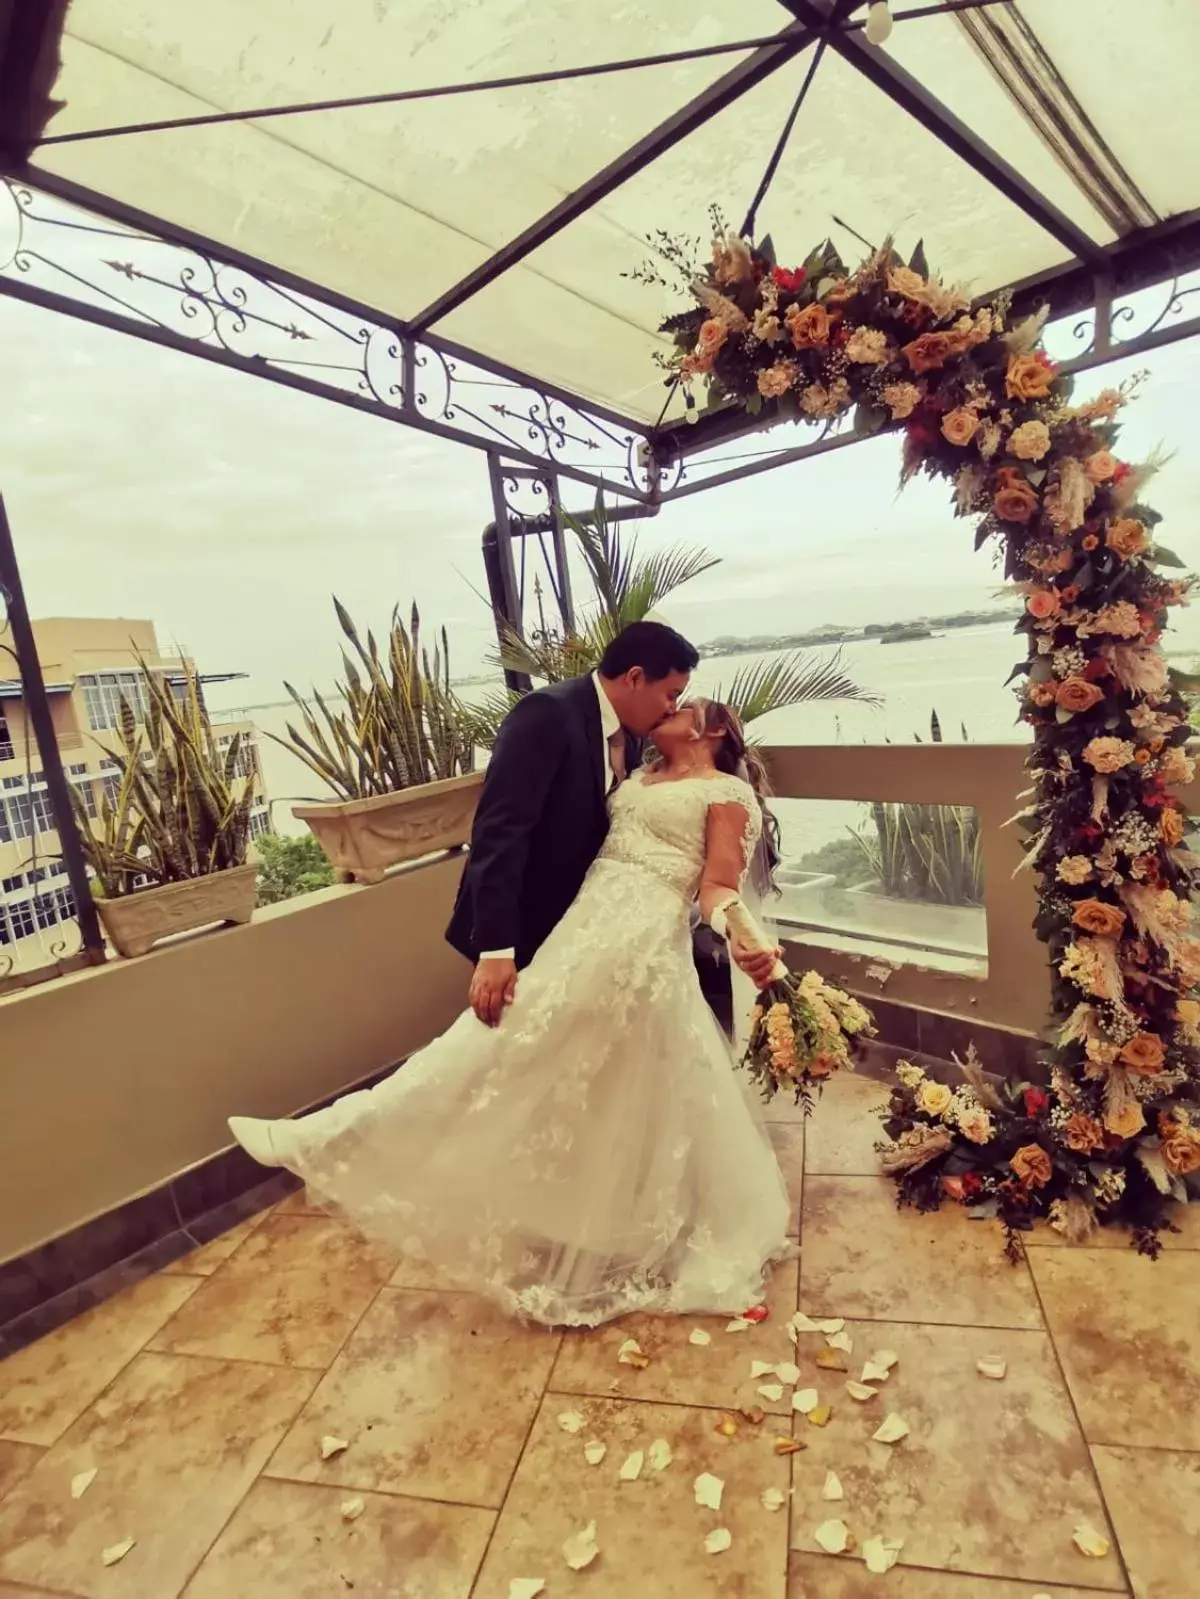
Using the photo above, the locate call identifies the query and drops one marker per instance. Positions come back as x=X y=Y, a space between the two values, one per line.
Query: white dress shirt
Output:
x=610 y=726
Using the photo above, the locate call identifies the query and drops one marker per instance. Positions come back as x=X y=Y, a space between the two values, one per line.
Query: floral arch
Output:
x=1117 y=1133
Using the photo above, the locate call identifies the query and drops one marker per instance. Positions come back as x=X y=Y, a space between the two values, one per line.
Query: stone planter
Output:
x=363 y=838
x=136 y=922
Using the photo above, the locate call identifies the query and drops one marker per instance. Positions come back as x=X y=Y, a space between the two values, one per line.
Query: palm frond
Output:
x=791 y=679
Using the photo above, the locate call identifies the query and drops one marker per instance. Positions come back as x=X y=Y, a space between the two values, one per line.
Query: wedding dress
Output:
x=597 y=1153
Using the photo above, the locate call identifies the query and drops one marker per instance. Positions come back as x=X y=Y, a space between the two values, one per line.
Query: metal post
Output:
x=37 y=710
x=501 y=574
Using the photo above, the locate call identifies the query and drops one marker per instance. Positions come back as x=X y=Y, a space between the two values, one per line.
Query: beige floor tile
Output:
x=15 y=1461
x=680 y=1372
x=865 y=1258
x=788 y=1141
x=817 y=1577
x=982 y=1460
x=45 y=1387
x=845 y=1127
x=14 y=1590
x=1154 y=1500
x=1185 y=1217
x=434 y=1393
x=783 y=1108
x=289 y=1297
x=650 y=1532
x=211 y=1257
x=289 y=1540
x=302 y=1203
x=1128 y=1332
x=176 y=1444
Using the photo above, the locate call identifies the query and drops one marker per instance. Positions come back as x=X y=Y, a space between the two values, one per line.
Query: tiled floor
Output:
x=201 y=1396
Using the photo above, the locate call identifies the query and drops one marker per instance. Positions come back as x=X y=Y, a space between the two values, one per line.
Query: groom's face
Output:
x=649 y=701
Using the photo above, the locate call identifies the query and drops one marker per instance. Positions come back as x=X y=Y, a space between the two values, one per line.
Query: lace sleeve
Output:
x=733 y=792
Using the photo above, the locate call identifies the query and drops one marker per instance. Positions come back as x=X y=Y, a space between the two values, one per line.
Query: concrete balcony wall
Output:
x=114 y=1080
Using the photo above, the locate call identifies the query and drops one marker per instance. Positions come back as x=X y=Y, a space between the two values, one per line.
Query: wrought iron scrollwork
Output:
x=1126 y=326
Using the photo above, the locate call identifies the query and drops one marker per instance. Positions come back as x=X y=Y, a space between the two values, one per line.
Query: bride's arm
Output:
x=728 y=838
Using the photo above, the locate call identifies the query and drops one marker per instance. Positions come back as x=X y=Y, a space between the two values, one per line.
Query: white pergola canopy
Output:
x=1086 y=104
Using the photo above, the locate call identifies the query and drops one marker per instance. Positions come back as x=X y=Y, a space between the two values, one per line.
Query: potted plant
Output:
x=400 y=756
x=169 y=851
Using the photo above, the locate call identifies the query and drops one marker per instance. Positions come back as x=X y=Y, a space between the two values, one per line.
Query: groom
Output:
x=543 y=813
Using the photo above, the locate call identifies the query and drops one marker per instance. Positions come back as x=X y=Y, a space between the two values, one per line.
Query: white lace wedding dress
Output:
x=597 y=1153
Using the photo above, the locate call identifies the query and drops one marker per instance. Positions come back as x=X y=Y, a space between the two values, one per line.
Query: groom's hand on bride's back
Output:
x=493 y=986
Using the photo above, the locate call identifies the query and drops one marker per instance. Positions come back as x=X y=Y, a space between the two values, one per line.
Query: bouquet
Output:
x=802 y=1029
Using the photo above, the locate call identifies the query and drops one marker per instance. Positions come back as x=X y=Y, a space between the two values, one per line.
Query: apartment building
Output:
x=88 y=666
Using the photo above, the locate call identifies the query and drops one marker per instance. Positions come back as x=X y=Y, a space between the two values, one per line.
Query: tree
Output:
x=290 y=866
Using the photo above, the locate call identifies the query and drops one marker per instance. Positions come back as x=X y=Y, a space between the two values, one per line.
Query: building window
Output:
x=21 y=917
x=102 y=696
x=260 y=823
x=11 y=884
x=45 y=910
x=7 y=750
x=65 y=901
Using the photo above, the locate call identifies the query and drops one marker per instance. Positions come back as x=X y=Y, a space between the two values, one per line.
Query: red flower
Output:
x=1153 y=798
x=1036 y=1102
x=972 y=1184
x=756 y=1313
x=1090 y=833
x=1096 y=668
x=790 y=282
x=1043 y=359
x=1122 y=472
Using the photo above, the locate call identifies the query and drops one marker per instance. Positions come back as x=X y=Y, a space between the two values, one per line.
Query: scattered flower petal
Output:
x=526 y=1587
x=772 y=1499
x=756 y=1314
x=631 y=1470
x=708 y=1490
x=594 y=1452
x=1090 y=1542
x=993 y=1367
x=718 y=1540
x=788 y=1372
x=860 y=1391
x=842 y=1341
x=660 y=1455
x=833 y=1489
x=805 y=1400
x=571 y=1421
x=803 y=1324
x=887 y=1358
x=81 y=1482
x=772 y=1392
x=115 y=1553
x=894 y=1428
x=879 y=1367
x=821 y=1416
x=727 y=1427
x=700 y=1337
x=833 y=1326
x=738 y=1324
x=760 y=1368
x=353 y=1508
x=881 y=1554
x=331 y=1446
x=580 y=1548
x=755 y=1415
x=833 y=1537
x=789 y=1446
x=630 y=1354
x=831 y=1360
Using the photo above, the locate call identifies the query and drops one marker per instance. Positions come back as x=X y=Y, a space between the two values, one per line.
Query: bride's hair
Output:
x=732 y=754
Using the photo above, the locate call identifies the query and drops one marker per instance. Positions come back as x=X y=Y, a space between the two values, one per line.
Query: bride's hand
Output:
x=492 y=989
x=758 y=964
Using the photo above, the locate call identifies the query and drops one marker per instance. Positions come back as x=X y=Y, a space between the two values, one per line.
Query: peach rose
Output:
x=1016 y=502
x=1043 y=695
x=934 y=1098
x=1180 y=1143
x=1074 y=869
x=809 y=326
x=1083 y=1133
x=1032 y=1166
x=1126 y=538
x=1076 y=694
x=931 y=351
x=1030 y=442
x=1027 y=378
x=902 y=399
x=1170 y=827
x=776 y=380
x=867 y=347
x=1144 y=1054
x=1187 y=1014
x=1099 y=468
x=1126 y=1122
x=712 y=336
x=1098 y=918
x=1043 y=604
x=1108 y=754
x=960 y=427
x=1177 y=766
x=905 y=282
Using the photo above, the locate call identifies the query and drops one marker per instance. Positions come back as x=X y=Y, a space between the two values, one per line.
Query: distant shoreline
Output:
x=894 y=632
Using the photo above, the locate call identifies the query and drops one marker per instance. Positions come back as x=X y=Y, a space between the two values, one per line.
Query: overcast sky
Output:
x=145 y=483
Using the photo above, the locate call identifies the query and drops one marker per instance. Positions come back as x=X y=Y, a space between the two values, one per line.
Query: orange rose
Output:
x=1076 y=695
x=931 y=351
x=1126 y=538
x=1043 y=695
x=960 y=427
x=809 y=326
x=1043 y=604
x=1090 y=541
x=712 y=336
x=1098 y=918
x=1033 y=1166
x=1016 y=502
x=1126 y=1122
x=1083 y=1134
x=1027 y=378
x=1099 y=468
x=1170 y=827
x=1144 y=1054
x=1180 y=1144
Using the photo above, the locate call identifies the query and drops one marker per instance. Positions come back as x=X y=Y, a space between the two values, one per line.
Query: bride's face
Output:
x=684 y=728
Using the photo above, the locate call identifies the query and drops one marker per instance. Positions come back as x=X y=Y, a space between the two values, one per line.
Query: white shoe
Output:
x=256 y=1139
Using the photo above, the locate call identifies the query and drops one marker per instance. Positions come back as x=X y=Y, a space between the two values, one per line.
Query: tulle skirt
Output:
x=595 y=1154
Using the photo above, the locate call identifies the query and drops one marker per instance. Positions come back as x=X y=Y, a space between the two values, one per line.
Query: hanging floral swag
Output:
x=1117 y=1134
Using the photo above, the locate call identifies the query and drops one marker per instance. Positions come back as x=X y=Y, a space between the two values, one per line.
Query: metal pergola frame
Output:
x=228 y=306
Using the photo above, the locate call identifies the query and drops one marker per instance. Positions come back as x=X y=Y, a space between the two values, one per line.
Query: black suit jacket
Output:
x=541 y=820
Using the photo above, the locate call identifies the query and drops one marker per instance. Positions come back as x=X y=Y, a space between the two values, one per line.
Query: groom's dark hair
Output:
x=659 y=650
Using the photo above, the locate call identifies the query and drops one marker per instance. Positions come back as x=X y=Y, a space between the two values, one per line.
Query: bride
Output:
x=596 y=1153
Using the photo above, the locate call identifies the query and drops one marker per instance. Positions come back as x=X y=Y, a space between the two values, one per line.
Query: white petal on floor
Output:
x=833 y=1537
x=631 y=1470
x=833 y=1490
x=881 y=1554
x=708 y=1490
x=580 y=1548
x=718 y=1540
